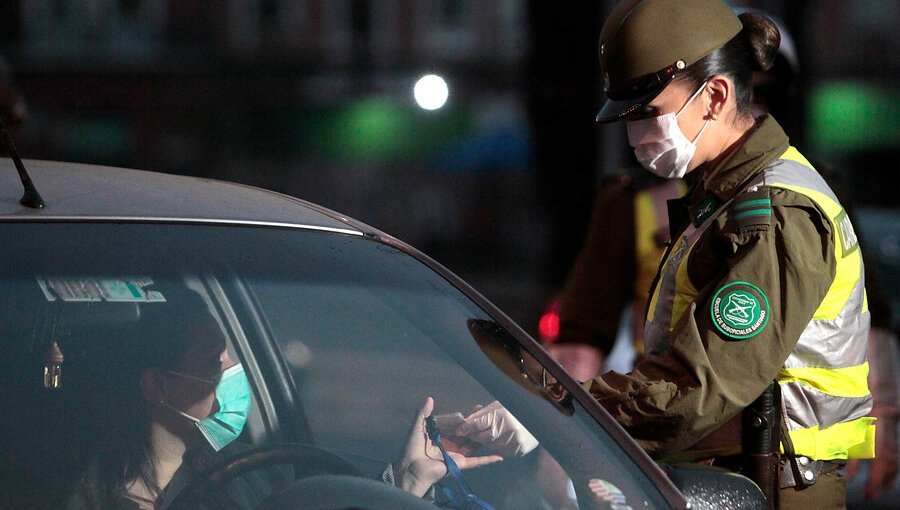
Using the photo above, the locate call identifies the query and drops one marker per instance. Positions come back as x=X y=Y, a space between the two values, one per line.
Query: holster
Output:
x=760 y=442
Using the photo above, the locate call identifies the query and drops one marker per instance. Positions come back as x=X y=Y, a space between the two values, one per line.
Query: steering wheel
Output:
x=307 y=461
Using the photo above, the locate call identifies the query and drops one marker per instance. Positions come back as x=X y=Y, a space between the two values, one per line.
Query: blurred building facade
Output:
x=314 y=98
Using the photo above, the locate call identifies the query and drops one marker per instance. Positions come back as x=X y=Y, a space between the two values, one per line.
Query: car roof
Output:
x=78 y=191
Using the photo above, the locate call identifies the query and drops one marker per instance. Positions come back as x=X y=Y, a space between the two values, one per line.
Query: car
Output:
x=342 y=330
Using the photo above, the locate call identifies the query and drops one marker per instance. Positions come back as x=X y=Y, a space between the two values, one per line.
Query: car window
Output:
x=342 y=337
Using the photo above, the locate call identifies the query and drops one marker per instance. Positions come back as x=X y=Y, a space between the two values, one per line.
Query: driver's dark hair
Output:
x=159 y=340
x=754 y=48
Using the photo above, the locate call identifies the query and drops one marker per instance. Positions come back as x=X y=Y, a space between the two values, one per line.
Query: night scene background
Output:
x=314 y=98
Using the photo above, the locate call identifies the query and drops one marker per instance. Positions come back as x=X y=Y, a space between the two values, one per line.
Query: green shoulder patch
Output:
x=740 y=310
x=753 y=208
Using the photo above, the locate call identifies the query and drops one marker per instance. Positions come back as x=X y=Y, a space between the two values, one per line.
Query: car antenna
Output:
x=31 y=198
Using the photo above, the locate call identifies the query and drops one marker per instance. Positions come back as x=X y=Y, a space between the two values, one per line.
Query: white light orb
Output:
x=431 y=92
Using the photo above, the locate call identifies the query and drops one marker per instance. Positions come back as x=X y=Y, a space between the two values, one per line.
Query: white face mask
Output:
x=659 y=144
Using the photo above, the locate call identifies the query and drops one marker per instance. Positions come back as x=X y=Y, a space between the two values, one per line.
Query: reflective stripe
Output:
x=806 y=406
x=793 y=154
x=785 y=169
x=830 y=346
x=853 y=439
x=824 y=383
x=839 y=382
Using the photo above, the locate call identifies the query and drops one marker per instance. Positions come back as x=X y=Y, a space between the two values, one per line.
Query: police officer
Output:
x=763 y=279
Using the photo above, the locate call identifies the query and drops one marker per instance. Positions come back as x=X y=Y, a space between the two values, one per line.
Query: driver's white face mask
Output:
x=659 y=144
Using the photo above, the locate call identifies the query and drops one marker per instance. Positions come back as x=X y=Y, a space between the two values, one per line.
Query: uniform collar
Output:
x=766 y=143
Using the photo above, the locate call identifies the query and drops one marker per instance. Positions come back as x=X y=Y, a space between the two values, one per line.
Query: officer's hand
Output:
x=496 y=428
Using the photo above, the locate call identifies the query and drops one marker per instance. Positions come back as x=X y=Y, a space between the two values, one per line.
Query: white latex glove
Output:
x=421 y=465
x=496 y=428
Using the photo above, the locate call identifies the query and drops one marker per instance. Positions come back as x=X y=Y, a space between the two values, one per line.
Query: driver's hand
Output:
x=497 y=429
x=421 y=464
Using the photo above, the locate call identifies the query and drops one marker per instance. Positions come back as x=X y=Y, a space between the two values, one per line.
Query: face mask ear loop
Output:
x=193 y=377
x=691 y=100
x=694 y=141
x=182 y=413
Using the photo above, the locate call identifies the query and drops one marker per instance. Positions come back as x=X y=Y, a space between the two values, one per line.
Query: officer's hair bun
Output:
x=763 y=37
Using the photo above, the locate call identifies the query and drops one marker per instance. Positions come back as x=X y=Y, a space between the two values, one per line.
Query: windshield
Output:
x=342 y=339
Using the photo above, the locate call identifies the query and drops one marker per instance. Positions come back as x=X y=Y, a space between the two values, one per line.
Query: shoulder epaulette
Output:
x=752 y=208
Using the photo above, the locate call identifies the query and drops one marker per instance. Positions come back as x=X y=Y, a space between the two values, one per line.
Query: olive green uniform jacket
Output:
x=703 y=378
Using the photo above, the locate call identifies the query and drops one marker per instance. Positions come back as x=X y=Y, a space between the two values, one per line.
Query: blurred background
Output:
x=315 y=98
x=491 y=169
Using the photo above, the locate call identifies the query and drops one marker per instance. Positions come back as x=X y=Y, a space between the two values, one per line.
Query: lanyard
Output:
x=464 y=498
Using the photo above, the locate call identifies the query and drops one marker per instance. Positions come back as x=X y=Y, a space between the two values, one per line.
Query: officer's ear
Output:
x=719 y=92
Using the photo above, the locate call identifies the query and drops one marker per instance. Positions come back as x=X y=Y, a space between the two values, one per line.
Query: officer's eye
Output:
x=645 y=113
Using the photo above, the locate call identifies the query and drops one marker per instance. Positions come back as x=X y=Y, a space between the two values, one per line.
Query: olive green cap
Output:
x=646 y=43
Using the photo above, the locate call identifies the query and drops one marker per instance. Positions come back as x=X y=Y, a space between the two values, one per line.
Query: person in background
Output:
x=628 y=231
x=12 y=103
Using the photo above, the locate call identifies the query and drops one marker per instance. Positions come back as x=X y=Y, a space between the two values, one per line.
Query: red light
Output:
x=548 y=325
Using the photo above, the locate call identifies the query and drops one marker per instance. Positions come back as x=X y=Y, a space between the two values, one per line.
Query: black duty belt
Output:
x=792 y=471
x=803 y=471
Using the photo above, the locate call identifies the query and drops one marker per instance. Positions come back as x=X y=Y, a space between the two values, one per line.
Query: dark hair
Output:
x=160 y=340
x=754 y=48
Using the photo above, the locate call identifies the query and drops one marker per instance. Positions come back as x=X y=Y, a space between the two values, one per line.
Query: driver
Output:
x=193 y=403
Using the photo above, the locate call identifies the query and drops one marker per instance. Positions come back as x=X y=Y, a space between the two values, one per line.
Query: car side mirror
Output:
x=714 y=488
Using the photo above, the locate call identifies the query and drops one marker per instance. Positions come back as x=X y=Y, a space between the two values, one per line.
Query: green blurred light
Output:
x=849 y=117
x=372 y=128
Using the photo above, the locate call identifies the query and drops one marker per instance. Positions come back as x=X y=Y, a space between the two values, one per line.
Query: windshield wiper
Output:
x=31 y=198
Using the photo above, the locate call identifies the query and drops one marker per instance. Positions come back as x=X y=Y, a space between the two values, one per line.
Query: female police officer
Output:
x=763 y=280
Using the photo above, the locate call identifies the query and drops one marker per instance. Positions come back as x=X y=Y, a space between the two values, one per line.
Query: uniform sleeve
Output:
x=600 y=283
x=709 y=374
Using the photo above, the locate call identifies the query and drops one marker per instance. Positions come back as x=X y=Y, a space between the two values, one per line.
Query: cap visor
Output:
x=614 y=110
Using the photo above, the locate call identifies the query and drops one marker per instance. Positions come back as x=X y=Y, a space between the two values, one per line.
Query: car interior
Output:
x=339 y=357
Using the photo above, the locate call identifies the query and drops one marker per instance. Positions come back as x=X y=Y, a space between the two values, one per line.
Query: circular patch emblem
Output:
x=740 y=310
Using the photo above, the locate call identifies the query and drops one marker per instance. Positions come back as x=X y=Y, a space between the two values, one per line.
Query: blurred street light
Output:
x=431 y=92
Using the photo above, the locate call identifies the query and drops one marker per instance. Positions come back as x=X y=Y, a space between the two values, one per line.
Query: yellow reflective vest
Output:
x=824 y=388
x=763 y=281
